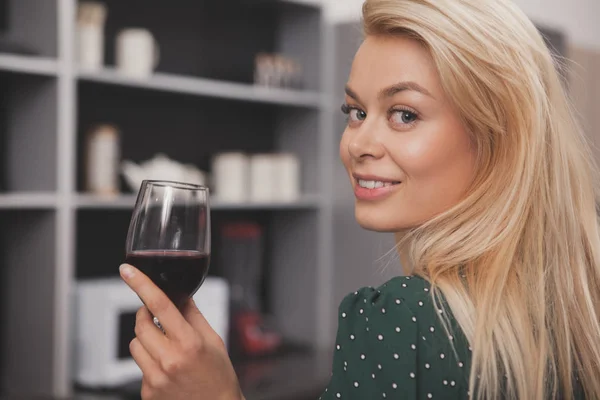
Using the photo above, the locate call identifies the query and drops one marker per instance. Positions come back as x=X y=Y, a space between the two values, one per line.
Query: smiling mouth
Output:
x=366 y=184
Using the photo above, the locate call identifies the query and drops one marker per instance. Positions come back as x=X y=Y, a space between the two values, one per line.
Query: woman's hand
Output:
x=189 y=361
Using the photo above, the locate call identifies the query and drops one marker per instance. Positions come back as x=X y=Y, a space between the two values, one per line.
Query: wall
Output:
x=578 y=18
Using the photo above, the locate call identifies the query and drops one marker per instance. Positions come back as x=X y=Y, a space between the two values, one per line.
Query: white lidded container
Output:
x=103 y=155
x=274 y=177
x=230 y=177
x=262 y=178
x=91 y=18
x=287 y=177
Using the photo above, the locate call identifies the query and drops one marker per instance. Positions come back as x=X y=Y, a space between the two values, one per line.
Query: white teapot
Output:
x=160 y=167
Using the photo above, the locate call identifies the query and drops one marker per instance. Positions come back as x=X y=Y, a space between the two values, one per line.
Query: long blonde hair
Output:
x=518 y=261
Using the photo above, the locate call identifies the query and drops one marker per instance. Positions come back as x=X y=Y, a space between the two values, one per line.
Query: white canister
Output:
x=102 y=160
x=287 y=177
x=137 y=53
x=230 y=177
x=262 y=183
x=90 y=47
x=91 y=17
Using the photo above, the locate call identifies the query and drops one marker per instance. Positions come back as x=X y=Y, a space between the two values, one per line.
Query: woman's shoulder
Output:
x=413 y=293
x=402 y=303
x=393 y=335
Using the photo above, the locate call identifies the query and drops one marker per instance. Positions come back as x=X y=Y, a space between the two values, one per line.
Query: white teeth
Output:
x=373 y=184
x=366 y=184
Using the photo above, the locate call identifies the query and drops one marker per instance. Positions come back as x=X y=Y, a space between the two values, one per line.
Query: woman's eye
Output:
x=357 y=115
x=403 y=117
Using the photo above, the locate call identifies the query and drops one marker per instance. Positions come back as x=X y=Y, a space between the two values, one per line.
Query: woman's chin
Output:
x=378 y=223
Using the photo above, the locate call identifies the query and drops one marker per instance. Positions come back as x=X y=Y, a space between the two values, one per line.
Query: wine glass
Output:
x=169 y=237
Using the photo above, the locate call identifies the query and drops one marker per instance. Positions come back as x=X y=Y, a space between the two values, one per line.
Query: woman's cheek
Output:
x=424 y=152
x=344 y=155
x=416 y=155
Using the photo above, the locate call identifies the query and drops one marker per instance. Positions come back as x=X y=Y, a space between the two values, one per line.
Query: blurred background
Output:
x=240 y=95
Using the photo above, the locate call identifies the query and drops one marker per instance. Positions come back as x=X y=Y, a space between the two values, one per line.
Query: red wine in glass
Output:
x=169 y=237
x=178 y=273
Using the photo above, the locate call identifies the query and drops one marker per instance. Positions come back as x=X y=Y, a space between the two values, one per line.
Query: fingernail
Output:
x=126 y=271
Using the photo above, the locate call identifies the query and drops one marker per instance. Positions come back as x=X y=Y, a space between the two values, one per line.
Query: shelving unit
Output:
x=16 y=201
x=200 y=101
x=126 y=202
x=28 y=65
x=209 y=88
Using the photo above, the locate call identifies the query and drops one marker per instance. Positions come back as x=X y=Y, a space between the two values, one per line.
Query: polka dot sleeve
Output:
x=390 y=344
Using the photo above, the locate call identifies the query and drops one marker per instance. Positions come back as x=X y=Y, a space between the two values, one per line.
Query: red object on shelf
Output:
x=241 y=230
x=254 y=337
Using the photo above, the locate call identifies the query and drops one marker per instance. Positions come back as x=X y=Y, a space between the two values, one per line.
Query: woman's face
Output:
x=407 y=153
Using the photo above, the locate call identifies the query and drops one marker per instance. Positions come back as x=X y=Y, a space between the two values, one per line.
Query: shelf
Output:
x=16 y=201
x=105 y=202
x=305 y=202
x=126 y=202
x=208 y=87
x=28 y=65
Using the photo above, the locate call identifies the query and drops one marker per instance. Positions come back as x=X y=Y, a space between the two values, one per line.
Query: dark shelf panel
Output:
x=216 y=39
x=186 y=128
x=28 y=130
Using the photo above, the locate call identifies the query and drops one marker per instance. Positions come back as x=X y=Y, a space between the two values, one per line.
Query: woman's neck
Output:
x=402 y=247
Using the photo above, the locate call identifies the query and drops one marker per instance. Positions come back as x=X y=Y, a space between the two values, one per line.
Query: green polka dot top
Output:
x=391 y=344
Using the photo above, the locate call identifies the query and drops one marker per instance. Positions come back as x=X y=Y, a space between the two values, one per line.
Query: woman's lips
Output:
x=373 y=189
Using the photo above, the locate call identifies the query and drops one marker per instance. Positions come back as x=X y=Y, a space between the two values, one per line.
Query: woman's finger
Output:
x=150 y=337
x=157 y=302
x=154 y=379
x=142 y=358
x=194 y=317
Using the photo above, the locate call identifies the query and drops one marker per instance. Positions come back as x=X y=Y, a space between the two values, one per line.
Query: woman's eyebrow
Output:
x=403 y=87
x=391 y=91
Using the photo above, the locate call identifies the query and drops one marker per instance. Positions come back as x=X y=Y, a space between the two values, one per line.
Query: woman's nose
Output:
x=365 y=145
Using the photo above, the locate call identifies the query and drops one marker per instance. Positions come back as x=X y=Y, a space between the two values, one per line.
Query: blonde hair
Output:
x=518 y=259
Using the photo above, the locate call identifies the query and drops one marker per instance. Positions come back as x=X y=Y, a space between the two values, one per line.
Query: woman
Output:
x=461 y=141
